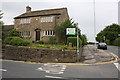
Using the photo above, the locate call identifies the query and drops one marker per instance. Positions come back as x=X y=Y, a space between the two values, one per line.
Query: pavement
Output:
x=92 y=55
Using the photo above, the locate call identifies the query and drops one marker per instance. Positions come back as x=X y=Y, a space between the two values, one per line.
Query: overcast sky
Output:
x=81 y=11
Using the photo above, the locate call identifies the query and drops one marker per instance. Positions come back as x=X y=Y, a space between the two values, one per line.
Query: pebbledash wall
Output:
x=39 y=54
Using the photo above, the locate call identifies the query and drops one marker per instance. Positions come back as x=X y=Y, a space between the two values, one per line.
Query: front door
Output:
x=37 y=35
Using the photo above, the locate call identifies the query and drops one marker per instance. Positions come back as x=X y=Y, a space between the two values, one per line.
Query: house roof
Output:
x=41 y=13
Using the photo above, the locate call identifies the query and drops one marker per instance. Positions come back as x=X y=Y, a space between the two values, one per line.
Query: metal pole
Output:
x=94 y=22
x=77 y=44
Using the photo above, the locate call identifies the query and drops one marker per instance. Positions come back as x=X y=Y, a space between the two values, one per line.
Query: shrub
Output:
x=40 y=42
x=84 y=39
x=117 y=42
x=52 y=40
x=107 y=42
x=73 y=40
x=64 y=47
x=16 y=41
x=40 y=46
x=13 y=33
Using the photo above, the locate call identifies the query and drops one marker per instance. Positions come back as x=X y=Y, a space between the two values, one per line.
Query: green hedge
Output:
x=73 y=40
x=16 y=41
x=117 y=42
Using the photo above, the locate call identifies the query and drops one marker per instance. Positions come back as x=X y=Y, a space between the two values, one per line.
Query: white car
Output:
x=102 y=46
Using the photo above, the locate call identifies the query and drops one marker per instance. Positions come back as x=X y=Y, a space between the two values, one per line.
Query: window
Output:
x=24 y=33
x=22 y=21
x=46 y=19
x=49 y=33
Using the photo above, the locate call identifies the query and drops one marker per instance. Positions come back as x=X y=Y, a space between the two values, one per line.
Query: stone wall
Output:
x=39 y=54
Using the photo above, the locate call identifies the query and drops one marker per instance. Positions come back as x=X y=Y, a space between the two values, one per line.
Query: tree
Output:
x=109 y=34
x=60 y=30
x=84 y=39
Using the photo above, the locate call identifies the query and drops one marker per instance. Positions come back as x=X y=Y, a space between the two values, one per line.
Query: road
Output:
x=13 y=69
x=114 y=49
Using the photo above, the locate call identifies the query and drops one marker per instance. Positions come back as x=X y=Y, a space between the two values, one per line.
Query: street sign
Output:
x=70 y=31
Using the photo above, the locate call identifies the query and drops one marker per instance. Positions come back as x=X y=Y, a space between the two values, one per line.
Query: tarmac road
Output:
x=114 y=49
x=69 y=72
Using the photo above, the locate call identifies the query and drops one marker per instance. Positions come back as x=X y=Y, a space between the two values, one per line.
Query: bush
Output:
x=117 y=42
x=64 y=47
x=40 y=42
x=73 y=40
x=16 y=41
x=52 y=40
x=107 y=42
x=13 y=33
x=40 y=46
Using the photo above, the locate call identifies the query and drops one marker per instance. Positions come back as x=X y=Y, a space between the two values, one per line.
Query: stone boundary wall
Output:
x=39 y=54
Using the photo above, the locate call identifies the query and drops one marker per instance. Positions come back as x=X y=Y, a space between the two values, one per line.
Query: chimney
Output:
x=28 y=9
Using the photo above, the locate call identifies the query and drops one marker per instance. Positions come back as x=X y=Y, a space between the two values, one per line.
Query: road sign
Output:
x=70 y=31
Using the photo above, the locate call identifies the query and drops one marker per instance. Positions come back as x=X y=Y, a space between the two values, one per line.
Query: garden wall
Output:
x=39 y=54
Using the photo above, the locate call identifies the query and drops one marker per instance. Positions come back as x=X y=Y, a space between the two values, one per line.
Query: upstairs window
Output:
x=23 y=21
x=46 y=19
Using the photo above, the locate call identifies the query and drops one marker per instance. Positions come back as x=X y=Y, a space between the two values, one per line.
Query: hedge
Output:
x=16 y=41
x=73 y=40
x=117 y=42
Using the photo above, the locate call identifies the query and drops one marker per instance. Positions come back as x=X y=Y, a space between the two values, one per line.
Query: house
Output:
x=39 y=25
x=6 y=29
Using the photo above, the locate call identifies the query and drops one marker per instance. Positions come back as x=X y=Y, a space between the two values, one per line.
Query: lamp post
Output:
x=94 y=22
x=78 y=55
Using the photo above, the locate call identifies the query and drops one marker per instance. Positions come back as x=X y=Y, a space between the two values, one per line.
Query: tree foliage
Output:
x=60 y=30
x=109 y=33
x=84 y=39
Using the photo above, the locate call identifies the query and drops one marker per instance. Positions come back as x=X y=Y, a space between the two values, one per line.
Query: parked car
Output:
x=102 y=46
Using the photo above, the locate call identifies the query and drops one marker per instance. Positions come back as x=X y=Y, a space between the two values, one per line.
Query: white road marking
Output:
x=117 y=66
x=53 y=69
x=45 y=64
x=53 y=77
x=3 y=70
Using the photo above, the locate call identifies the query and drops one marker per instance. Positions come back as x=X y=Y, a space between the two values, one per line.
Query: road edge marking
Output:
x=107 y=62
x=53 y=77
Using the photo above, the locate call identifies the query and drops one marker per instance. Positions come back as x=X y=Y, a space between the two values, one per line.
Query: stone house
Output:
x=39 y=25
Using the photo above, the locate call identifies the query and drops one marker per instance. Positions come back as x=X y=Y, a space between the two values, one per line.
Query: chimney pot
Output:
x=28 y=9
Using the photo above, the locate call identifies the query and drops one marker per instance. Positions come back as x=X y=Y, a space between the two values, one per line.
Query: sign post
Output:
x=71 y=31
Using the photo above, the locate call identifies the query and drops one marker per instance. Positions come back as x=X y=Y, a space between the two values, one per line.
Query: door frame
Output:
x=37 y=35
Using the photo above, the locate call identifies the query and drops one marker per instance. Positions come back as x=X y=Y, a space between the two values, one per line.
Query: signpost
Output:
x=71 y=31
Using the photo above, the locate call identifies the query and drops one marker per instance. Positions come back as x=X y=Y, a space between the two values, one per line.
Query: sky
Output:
x=81 y=11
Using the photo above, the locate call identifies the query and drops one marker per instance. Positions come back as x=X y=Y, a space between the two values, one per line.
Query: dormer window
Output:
x=23 y=21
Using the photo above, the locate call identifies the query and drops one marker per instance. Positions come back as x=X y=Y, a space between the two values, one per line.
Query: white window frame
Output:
x=48 y=33
x=23 y=21
x=46 y=19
